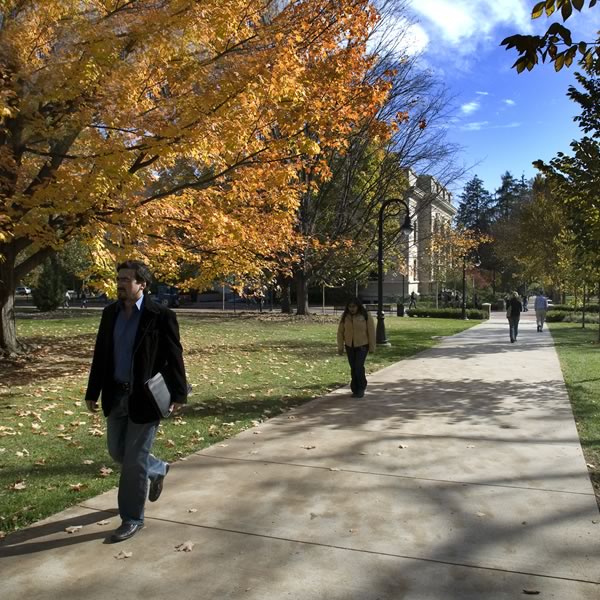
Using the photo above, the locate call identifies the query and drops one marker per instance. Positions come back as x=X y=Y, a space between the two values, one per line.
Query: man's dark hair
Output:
x=142 y=272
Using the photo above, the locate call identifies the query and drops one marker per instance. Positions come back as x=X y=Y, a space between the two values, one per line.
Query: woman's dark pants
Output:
x=356 y=358
x=513 y=325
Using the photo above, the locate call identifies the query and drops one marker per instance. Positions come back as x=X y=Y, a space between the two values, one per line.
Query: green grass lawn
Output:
x=579 y=354
x=243 y=369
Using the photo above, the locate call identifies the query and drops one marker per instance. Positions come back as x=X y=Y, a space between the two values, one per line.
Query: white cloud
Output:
x=464 y=24
x=475 y=126
x=469 y=107
x=509 y=102
x=483 y=93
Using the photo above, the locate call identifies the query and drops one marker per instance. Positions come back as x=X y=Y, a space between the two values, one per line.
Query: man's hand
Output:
x=176 y=408
x=92 y=405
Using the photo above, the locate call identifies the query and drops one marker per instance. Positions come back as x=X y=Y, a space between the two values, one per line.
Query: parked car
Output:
x=23 y=290
x=167 y=296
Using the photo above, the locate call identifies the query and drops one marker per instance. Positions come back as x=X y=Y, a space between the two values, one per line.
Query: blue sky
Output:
x=503 y=120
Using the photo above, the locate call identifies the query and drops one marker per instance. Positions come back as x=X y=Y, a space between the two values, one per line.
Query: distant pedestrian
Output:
x=83 y=299
x=513 y=314
x=524 y=302
x=541 y=306
x=413 y=300
x=66 y=299
x=356 y=334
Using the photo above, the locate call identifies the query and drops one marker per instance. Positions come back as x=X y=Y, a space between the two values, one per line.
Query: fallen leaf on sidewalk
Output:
x=531 y=592
x=185 y=546
x=104 y=522
x=481 y=514
x=470 y=446
x=308 y=447
x=333 y=469
x=364 y=453
x=73 y=528
x=403 y=446
x=192 y=510
x=123 y=554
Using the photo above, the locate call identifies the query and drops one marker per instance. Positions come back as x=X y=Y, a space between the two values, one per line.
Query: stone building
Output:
x=431 y=207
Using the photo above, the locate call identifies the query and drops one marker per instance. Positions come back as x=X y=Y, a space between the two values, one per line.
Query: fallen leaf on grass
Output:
x=88 y=462
x=96 y=432
x=105 y=471
x=590 y=466
x=185 y=546
x=170 y=444
x=123 y=554
x=73 y=528
x=19 y=485
x=77 y=487
x=40 y=463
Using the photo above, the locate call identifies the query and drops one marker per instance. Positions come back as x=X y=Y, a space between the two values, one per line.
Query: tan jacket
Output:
x=355 y=331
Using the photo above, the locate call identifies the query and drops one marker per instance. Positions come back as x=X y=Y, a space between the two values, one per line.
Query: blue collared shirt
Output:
x=124 y=340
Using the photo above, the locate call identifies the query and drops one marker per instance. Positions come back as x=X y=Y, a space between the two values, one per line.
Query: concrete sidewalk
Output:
x=458 y=476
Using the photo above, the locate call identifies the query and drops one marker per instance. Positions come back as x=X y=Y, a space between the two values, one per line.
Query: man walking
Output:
x=541 y=306
x=137 y=338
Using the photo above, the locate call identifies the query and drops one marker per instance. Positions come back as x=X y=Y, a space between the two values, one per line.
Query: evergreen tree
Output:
x=475 y=207
x=50 y=292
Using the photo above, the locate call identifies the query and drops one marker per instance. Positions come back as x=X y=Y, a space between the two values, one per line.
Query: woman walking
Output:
x=356 y=333
x=513 y=314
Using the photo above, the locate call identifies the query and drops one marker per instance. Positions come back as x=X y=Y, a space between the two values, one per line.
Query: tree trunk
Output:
x=302 y=293
x=8 y=330
x=584 y=306
x=286 y=300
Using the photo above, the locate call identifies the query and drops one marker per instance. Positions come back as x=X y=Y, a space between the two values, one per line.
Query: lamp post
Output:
x=405 y=229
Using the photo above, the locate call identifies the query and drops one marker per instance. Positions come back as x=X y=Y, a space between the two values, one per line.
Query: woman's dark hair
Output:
x=358 y=303
x=142 y=272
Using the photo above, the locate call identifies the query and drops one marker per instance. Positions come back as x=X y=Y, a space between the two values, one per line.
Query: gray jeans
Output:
x=129 y=444
x=513 y=324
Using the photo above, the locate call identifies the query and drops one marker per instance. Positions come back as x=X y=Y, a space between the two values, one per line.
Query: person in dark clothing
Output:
x=137 y=338
x=513 y=314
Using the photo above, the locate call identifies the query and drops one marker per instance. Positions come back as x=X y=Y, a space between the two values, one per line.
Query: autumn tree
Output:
x=337 y=220
x=556 y=45
x=172 y=130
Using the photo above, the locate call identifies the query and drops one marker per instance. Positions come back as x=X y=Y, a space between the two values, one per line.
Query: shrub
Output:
x=445 y=313
x=593 y=308
x=556 y=316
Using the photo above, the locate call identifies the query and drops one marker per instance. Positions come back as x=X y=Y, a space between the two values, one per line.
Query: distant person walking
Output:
x=413 y=300
x=356 y=334
x=541 y=306
x=513 y=314
x=524 y=302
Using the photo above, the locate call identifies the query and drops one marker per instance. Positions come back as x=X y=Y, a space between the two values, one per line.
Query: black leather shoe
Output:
x=125 y=531
x=156 y=486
